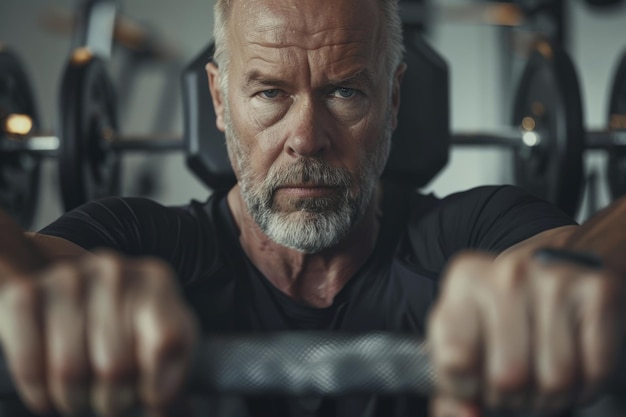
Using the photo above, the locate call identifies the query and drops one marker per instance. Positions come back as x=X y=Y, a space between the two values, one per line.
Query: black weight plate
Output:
x=421 y=143
x=19 y=172
x=205 y=145
x=616 y=168
x=88 y=169
x=549 y=93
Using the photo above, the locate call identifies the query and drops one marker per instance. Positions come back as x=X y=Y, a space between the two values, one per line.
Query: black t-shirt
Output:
x=393 y=291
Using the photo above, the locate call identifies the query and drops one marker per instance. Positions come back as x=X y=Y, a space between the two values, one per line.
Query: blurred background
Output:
x=483 y=78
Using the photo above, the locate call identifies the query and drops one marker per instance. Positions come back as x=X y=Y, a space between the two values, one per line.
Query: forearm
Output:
x=28 y=252
x=604 y=235
x=17 y=252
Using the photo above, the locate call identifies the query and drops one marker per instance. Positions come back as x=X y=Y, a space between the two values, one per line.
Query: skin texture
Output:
x=302 y=62
x=506 y=332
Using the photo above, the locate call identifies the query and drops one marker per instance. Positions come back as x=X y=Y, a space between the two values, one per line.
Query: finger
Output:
x=67 y=361
x=110 y=339
x=556 y=354
x=454 y=330
x=442 y=406
x=505 y=313
x=22 y=341
x=166 y=334
x=601 y=311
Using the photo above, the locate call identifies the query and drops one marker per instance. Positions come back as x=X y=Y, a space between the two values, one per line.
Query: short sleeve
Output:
x=490 y=218
x=139 y=227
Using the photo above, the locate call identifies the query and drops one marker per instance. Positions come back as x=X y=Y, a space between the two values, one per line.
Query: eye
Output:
x=273 y=93
x=344 y=92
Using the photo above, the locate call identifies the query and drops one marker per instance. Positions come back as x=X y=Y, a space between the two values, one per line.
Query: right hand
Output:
x=99 y=333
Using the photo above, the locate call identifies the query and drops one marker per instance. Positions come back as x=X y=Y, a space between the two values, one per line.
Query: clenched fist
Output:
x=101 y=332
x=533 y=332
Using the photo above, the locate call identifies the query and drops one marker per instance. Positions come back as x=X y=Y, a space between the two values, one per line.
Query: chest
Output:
x=389 y=296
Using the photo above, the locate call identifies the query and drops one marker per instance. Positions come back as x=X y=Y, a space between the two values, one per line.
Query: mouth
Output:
x=305 y=190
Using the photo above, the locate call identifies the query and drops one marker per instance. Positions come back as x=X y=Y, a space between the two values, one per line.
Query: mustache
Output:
x=309 y=172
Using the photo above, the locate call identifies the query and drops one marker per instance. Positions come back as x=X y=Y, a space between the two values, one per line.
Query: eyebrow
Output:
x=257 y=77
x=360 y=77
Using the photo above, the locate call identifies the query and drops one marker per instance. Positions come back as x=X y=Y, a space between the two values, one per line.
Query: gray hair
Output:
x=393 y=42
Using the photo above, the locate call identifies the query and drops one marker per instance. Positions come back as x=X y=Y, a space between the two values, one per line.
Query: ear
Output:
x=395 y=93
x=213 y=73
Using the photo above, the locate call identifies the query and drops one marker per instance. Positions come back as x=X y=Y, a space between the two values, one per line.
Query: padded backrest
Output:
x=420 y=144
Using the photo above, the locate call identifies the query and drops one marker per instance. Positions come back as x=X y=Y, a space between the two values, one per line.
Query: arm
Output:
x=55 y=248
x=604 y=235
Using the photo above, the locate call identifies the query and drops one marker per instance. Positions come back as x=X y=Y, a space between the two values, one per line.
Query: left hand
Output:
x=522 y=332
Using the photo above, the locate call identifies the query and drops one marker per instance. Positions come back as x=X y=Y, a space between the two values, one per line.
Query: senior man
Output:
x=307 y=93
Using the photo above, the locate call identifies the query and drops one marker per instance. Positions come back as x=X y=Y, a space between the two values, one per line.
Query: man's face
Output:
x=308 y=114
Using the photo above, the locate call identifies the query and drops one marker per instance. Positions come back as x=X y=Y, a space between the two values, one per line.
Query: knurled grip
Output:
x=303 y=363
x=313 y=363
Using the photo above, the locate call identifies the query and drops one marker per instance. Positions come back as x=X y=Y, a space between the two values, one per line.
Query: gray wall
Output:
x=472 y=52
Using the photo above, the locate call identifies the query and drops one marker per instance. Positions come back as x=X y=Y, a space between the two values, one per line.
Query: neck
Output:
x=314 y=279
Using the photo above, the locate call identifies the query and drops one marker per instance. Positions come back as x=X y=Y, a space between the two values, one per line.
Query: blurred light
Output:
x=18 y=124
x=528 y=123
x=545 y=49
x=81 y=55
x=530 y=139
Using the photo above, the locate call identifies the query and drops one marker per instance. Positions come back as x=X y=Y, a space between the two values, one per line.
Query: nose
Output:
x=307 y=136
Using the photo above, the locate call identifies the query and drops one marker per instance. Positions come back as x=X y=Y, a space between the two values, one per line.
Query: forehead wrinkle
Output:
x=278 y=41
x=281 y=36
x=351 y=54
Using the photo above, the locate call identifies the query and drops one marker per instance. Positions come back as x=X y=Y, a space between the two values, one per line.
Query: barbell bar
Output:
x=548 y=141
x=47 y=145
x=18 y=140
x=312 y=363
x=304 y=363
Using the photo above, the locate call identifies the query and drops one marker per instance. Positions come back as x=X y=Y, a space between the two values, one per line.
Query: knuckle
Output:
x=158 y=272
x=454 y=360
x=556 y=384
x=509 y=274
x=603 y=288
x=113 y=371
x=108 y=269
x=168 y=339
x=466 y=270
x=21 y=296
x=66 y=371
x=65 y=278
x=597 y=375
x=513 y=378
x=451 y=355
x=551 y=289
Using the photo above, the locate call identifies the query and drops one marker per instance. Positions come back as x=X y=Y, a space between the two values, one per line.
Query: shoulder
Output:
x=489 y=218
x=129 y=223
x=185 y=236
x=491 y=202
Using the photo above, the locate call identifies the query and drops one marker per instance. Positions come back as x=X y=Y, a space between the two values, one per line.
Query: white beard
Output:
x=313 y=224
